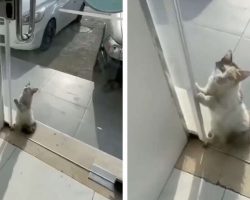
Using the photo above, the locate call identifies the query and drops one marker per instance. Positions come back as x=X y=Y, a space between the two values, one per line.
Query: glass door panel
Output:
x=75 y=62
x=171 y=44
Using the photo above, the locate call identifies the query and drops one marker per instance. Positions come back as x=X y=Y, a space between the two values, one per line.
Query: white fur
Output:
x=229 y=114
x=24 y=115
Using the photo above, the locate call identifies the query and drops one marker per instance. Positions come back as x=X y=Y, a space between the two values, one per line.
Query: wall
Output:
x=155 y=134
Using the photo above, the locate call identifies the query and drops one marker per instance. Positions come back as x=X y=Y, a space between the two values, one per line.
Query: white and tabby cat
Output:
x=25 y=121
x=222 y=95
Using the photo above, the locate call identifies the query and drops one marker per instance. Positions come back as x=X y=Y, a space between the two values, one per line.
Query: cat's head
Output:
x=28 y=91
x=27 y=95
x=224 y=82
x=226 y=62
x=228 y=75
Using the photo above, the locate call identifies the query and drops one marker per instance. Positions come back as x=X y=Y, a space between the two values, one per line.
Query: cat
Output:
x=25 y=121
x=222 y=95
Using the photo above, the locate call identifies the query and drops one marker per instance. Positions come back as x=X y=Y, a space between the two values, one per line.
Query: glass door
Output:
x=191 y=40
x=75 y=62
x=70 y=63
x=164 y=19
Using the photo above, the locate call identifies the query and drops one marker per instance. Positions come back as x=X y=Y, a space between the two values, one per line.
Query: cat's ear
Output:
x=228 y=58
x=243 y=74
x=34 y=90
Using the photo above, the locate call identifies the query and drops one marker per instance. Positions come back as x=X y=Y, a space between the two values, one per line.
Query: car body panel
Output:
x=116 y=28
x=51 y=11
x=113 y=36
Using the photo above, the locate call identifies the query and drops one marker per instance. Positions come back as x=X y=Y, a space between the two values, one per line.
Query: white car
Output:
x=48 y=22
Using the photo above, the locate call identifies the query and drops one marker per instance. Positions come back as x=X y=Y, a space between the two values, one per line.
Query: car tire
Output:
x=48 y=35
x=79 y=17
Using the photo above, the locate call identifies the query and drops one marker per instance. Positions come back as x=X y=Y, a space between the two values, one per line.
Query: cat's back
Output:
x=25 y=117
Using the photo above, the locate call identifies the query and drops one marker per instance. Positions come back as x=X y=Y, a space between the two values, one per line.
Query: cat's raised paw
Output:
x=197 y=87
x=200 y=96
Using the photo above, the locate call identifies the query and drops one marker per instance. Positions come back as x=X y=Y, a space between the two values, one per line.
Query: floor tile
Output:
x=247 y=32
x=87 y=131
x=200 y=161
x=229 y=195
x=101 y=130
x=26 y=177
x=203 y=59
x=6 y=150
x=216 y=166
x=99 y=197
x=231 y=16
x=184 y=186
x=107 y=108
x=23 y=73
x=236 y=176
x=71 y=88
x=57 y=113
x=62 y=101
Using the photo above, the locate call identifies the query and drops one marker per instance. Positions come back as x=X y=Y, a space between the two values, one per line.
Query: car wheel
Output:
x=79 y=17
x=48 y=35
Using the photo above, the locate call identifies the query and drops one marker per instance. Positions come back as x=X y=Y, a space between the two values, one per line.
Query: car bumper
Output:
x=31 y=44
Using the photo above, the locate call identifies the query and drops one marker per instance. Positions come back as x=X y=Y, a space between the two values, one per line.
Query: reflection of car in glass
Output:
x=48 y=22
x=110 y=54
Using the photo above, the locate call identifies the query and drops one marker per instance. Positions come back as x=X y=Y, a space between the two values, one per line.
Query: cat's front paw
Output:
x=200 y=96
x=197 y=87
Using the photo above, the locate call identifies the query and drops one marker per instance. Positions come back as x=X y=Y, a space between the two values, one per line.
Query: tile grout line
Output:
x=229 y=154
x=205 y=180
x=93 y=195
x=226 y=32
x=200 y=177
x=241 y=36
x=208 y=181
x=216 y=29
x=44 y=84
x=238 y=193
x=12 y=153
x=81 y=119
x=68 y=101
x=223 y=195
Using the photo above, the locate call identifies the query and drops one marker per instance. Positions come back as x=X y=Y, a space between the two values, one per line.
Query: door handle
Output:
x=19 y=21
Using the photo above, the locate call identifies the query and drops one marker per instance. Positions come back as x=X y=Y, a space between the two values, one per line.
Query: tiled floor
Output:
x=25 y=177
x=227 y=166
x=71 y=105
x=185 y=186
